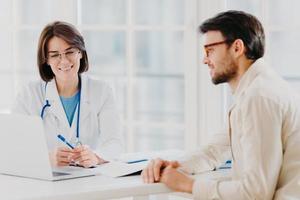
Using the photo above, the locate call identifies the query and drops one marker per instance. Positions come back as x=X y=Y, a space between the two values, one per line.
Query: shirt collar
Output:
x=253 y=71
x=52 y=92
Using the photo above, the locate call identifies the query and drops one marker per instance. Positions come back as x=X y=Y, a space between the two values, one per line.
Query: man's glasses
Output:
x=207 y=49
x=70 y=54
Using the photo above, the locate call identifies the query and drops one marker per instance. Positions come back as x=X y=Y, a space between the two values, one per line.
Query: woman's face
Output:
x=63 y=59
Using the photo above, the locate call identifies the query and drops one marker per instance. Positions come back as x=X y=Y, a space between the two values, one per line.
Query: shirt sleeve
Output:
x=111 y=139
x=209 y=157
x=261 y=122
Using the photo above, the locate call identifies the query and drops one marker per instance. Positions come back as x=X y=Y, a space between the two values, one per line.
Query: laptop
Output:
x=24 y=151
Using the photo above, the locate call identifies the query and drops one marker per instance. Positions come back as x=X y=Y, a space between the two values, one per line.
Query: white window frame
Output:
x=203 y=102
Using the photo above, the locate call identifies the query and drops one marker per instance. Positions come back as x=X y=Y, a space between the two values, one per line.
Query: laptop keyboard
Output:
x=59 y=174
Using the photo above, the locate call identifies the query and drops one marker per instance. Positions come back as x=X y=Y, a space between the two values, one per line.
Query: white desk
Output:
x=88 y=188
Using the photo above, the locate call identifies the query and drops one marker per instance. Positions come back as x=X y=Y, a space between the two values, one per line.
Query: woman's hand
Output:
x=85 y=157
x=62 y=156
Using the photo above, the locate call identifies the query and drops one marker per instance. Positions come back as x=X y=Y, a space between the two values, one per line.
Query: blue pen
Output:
x=136 y=161
x=227 y=165
x=65 y=141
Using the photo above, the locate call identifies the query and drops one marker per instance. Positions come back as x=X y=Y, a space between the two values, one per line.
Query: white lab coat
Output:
x=99 y=120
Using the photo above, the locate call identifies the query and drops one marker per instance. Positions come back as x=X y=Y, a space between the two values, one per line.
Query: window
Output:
x=147 y=49
x=280 y=20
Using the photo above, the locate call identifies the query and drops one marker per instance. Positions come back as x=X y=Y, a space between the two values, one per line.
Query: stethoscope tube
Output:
x=47 y=104
x=44 y=108
x=78 y=115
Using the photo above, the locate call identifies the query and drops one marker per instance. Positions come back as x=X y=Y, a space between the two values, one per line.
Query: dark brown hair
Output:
x=239 y=25
x=69 y=34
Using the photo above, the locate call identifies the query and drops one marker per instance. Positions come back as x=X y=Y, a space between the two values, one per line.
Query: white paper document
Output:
x=117 y=169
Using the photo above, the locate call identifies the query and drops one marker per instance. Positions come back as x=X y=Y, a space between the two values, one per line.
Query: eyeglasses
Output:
x=206 y=47
x=70 y=54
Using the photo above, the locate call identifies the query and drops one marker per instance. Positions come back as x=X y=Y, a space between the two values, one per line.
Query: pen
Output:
x=136 y=161
x=65 y=141
x=227 y=165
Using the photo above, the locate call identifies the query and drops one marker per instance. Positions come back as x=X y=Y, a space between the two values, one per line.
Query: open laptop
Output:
x=24 y=151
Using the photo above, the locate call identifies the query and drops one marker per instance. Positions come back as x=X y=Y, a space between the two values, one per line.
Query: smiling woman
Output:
x=65 y=69
x=72 y=105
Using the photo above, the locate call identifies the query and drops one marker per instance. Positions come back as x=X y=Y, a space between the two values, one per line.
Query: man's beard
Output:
x=226 y=75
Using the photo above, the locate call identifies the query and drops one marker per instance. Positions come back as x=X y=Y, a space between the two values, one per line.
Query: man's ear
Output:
x=238 y=47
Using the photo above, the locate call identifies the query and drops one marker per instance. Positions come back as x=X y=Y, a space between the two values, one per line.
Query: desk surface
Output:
x=88 y=188
x=94 y=187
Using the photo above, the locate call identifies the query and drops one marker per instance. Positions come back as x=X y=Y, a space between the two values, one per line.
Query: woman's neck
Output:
x=67 y=88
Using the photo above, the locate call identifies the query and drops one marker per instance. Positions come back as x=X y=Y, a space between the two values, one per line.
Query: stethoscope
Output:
x=47 y=104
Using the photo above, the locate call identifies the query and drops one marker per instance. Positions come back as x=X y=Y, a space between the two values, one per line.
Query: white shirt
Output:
x=99 y=120
x=265 y=143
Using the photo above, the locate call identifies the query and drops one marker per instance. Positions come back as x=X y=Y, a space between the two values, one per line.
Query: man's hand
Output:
x=176 y=180
x=152 y=173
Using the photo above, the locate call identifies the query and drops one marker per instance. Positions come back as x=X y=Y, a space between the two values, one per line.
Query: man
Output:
x=264 y=121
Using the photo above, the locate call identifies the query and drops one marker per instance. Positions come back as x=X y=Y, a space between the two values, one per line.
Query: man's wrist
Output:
x=188 y=186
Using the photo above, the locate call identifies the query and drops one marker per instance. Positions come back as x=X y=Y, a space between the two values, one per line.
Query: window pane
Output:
x=283 y=13
x=5 y=12
x=27 y=41
x=33 y=11
x=159 y=12
x=5 y=51
x=104 y=12
x=159 y=99
x=159 y=52
x=155 y=139
x=106 y=51
x=254 y=6
x=65 y=10
x=284 y=51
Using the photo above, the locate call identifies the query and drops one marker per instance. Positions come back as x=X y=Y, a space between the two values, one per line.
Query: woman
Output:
x=77 y=108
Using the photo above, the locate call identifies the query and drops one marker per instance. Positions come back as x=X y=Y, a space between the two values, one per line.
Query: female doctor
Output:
x=72 y=105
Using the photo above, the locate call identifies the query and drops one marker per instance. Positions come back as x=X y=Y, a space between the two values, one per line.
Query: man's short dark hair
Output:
x=239 y=25
x=69 y=34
